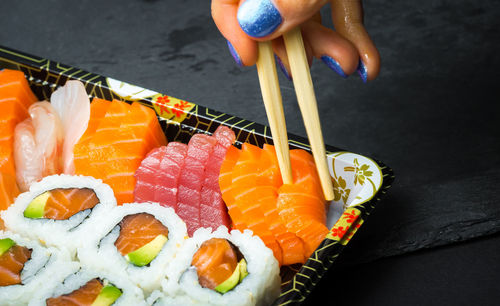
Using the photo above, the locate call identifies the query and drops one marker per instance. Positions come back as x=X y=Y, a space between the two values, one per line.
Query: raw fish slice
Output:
x=15 y=99
x=290 y=219
x=29 y=166
x=122 y=137
x=8 y=190
x=66 y=202
x=146 y=176
x=215 y=261
x=170 y=171
x=13 y=83
x=200 y=147
x=12 y=263
x=85 y=295
x=73 y=106
x=213 y=211
x=37 y=144
x=138 y=230
x=48 y=136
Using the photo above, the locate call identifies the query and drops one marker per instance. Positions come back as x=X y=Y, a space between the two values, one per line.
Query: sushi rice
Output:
x=70 y=233
x=260 y=287
x=46 y=267
x=131 y=294
x=100 y=253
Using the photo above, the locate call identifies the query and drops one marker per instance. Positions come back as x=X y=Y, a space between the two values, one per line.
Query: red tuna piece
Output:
x=213 y=211
x=200 y=148
x=158 y=175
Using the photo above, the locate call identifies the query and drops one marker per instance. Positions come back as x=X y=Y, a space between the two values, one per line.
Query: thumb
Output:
x=268 y=19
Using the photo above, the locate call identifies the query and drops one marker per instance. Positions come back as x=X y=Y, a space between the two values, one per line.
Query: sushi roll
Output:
x=59 y=210
x=136 y=240
x=26 y=266
x=221 y=268
x=89 y=287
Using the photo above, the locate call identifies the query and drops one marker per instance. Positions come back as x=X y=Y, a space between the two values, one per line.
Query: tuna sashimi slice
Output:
x=157 y=176
x=200 y=148
x=213 y=211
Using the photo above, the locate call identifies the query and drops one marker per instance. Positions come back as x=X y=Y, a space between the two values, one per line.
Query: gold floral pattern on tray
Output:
x=356 y=178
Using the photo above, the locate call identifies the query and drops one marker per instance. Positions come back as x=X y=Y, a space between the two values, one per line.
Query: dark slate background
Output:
x=432 y=115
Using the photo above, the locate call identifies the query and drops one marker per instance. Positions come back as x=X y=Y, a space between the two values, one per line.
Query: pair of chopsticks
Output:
x=271 y=94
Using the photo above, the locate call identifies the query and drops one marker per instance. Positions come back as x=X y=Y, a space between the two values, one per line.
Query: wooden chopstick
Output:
x=271 y=94
x=307 y=102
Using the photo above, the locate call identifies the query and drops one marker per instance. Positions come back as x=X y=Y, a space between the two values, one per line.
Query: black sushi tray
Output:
x=359 y=181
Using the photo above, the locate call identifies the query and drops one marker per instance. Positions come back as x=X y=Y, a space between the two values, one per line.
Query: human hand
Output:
x=346 y=49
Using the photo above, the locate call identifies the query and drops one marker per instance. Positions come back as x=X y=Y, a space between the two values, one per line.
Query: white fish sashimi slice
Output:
x=48 y=136
x=29 y=165
x=73 y=106
x=37 y=145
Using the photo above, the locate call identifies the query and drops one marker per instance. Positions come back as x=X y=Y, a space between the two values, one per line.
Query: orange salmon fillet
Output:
x=12 y=263
x=215 y=261
x=85 y=295
x=15 y=99
x=8 y=190
x=291 y=218
x=138 y=230
x=66 y=202
x=118 y=138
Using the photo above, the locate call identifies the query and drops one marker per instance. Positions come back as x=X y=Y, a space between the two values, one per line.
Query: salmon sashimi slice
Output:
x=98 y=109
x=15 y=99
x=73 y=106
x=85 y=295
x=200 y=147
x=13 y=83
x=118 y=138
x=213 y=211
x=62 y=203
x=290 y=219
x=8 y=190
x=215 y=261
x=12 y=263
x=138 y=230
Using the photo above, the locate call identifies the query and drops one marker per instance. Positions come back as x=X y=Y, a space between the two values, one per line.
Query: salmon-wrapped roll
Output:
x=221 y=268
x=60 y=210
x=89 y=287
x=26 y=266
x=138 y=241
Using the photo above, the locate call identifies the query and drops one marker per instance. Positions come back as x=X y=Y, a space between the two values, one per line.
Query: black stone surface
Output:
x=432 y=115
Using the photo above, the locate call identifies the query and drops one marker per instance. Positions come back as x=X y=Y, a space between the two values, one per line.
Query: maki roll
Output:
x=26 y=266
x=137 y=241
x=59 y=210
x=89 y=287
x=221 y=268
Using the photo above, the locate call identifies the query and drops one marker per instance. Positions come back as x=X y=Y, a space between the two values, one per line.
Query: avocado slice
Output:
x=5 y=245
x=145 y=254
x=36 y=208
x=108 y=295
x=243 y=269
x=238 y=275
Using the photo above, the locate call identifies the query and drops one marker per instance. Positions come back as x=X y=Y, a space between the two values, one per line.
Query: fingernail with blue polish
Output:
x=259 y=18
x=234 y=54
x=283 y=68
x=362 y=71
x=334 y=65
